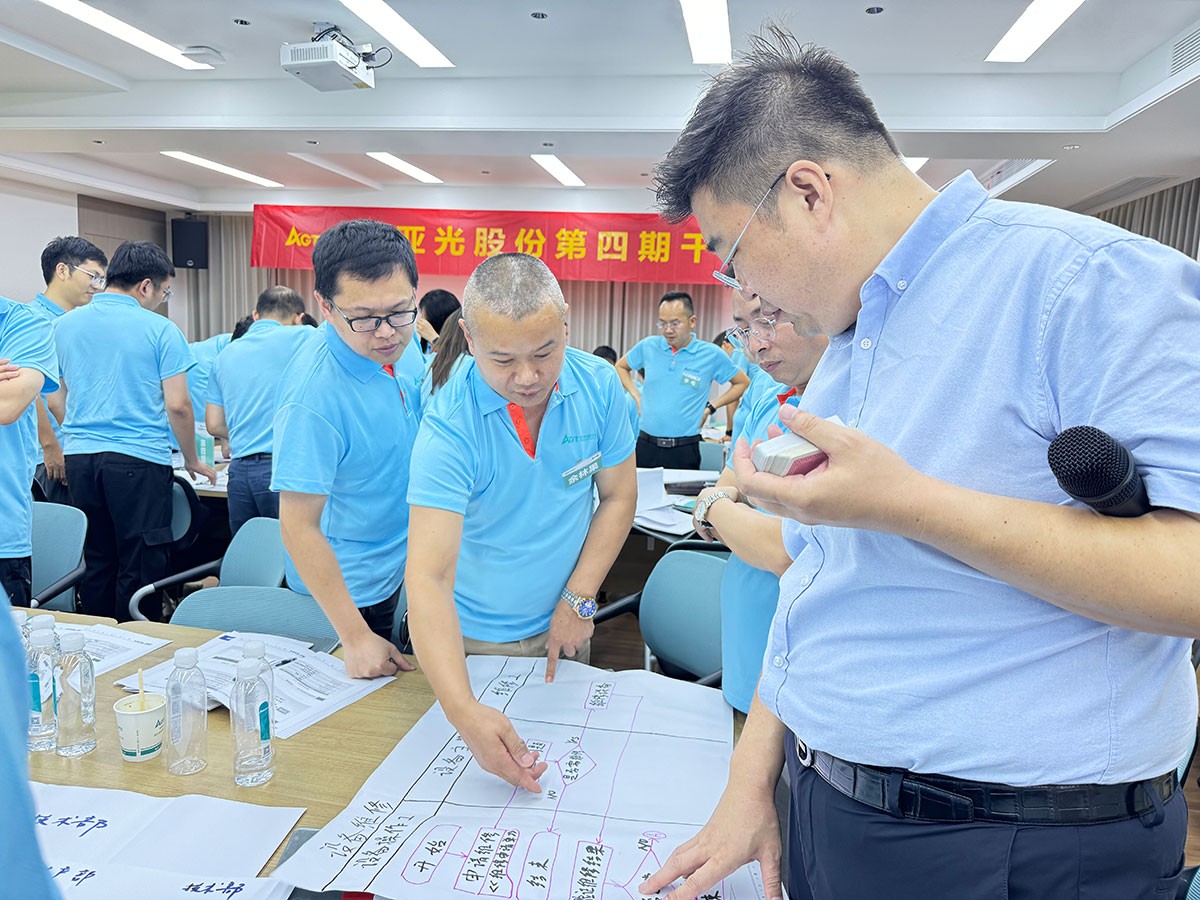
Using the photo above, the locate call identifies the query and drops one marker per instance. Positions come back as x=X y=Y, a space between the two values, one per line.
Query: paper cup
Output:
x=139 y=730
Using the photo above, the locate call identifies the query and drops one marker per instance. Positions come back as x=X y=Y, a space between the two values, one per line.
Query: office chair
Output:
x=266 y=610
x=57 y=560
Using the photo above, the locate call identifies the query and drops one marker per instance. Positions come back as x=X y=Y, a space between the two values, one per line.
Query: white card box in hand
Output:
x=789 y=454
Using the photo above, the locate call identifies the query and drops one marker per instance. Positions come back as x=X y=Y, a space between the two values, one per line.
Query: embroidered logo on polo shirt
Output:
x=578 y=438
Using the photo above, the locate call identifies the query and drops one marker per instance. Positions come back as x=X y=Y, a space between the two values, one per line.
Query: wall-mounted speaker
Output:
x=189 y=243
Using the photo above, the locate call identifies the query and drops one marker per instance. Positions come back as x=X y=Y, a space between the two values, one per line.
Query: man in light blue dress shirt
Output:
x=125 y=391
x=508 y=549
x=242 y=391
x=343 y=432
x=972 y=678
x=74 y=270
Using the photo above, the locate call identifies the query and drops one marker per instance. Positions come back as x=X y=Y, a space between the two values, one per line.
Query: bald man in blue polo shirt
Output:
x=343 y=432
x=673 y=401
x=507 y=554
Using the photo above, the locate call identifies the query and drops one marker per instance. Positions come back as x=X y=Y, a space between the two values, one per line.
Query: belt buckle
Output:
x=803 y=754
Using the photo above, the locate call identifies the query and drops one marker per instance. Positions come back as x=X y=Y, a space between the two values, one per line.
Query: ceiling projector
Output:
x=328 y=65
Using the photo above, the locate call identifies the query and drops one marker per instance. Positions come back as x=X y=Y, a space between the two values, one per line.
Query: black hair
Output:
x=241 y=327
x=135 y=261
x=437 y=306
x=721 y=339
x=606 y=352
x=781 y=102
x=364 y=250
x=452 y=345
x=72 y=250
x=279 y=301
x=683 y=297
x=306 y=319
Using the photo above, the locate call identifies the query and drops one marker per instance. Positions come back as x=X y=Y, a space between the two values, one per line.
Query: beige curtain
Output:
x=1171 y=217
x=228 y=289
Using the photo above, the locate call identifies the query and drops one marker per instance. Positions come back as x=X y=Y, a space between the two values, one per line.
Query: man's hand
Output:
x=56 y=463
x=568 y=632
x=370 y=656
x=862 y=484
x=743 y=827
x=198 y=469
x=497 y=747
x=8 y=371
x=426 y=330
x=708 y=534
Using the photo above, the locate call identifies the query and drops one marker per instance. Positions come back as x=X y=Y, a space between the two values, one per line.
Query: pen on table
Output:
x=284 y=662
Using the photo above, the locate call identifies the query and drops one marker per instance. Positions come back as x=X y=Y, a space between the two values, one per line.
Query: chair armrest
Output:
x=618 y=607
x=209 y=568
x=713 y=680
x=68 y=581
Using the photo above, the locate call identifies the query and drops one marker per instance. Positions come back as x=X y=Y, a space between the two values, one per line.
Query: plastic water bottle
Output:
x=45 y=622
x=187 y=715
x=250 y=719
x=76 y=690
x=258 y=650
x=21 y=620
x=41 y=662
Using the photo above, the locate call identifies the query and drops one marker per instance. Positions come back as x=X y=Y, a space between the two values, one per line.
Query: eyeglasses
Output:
x=673 y=325
x=168 y=294
x=365 y=324
x=98 y=281
x=762 y=330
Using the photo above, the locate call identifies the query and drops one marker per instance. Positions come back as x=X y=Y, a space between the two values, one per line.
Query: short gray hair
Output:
x=781 y=102
x=513 y=285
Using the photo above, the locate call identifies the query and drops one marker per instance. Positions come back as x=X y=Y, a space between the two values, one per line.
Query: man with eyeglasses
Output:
x=508 y=549
x=343 y=436
x=74 y=270
x=973 y=682
x=124 y=391
x=242 y=390
x=673 y=401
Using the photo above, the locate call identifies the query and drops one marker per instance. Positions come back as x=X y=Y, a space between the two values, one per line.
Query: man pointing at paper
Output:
x=506 y=555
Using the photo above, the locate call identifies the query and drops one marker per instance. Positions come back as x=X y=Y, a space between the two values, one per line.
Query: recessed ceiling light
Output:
x=547 y=143
x=558 y=169
x=97 y=141
x=645 y=174
x=314 y=143
x=874 y=10
x=123 y=31
x=539 y=15
x=1040 y=20
x=219 y=167
x=914 y=163
x=382 y=18
x=485 y=171
x=707 y=23
x=242 y=22
x=406 y=167
x=1070 y=146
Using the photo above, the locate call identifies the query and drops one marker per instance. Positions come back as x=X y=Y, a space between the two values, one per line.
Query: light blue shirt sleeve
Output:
x=617 y=442
x=636 y=355
x=724 y=368
x=444 y=464
x=174 y=356
x=29 y=344
x=305 y=452
x=215 y=396
x=1143 y=362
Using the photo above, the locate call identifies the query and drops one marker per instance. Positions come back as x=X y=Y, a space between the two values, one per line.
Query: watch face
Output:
x=587 y=608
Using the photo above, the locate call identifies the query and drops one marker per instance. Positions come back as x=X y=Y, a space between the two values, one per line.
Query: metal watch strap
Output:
x=706 y=504
x=585 y=607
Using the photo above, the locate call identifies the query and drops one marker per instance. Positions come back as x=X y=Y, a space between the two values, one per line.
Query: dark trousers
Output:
x=382 y=616
x=15 y=579
x=840 y=848
x=652 y=456
x=127 y=502
x=54 y=490
x=250 y=493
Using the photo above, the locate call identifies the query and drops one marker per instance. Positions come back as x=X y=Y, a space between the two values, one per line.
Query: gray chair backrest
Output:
x=58 y=534
x=680 y=611
x=267 y=610
x=255 y=555
x=712 y=456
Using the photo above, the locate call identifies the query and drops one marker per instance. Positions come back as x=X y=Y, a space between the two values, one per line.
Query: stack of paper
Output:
x=110 y=648
x=655 y=507
x=308 y=686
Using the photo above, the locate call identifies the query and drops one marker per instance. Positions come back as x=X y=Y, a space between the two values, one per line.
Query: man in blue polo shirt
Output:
x=344 y=431
x=507 y=554
x=204 y=356
x=241 y=400
x=125 y=392
x=971 y=677
x=679 y=370
x=750 y=580
x=28 y=369
x=73 y=268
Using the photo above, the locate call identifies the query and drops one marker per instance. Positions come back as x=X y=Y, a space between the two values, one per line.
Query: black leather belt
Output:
x=937 y=798
x=254 y=457
x=668 y=443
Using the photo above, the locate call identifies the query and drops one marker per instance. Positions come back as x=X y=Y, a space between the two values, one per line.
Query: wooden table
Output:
x=320 y=768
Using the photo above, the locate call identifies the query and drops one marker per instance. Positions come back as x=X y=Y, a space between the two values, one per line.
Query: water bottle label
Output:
x=35 y=698
x=264 y=721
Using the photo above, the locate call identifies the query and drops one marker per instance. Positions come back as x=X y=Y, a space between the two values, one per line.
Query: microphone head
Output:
x=1091 y=464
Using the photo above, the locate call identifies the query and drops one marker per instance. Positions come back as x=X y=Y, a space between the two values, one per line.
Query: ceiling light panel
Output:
x=1040 y=20
x=123 y=31
x=406 y=167
x=558 y=169
x=707 y=23
x=389 y=24
x=220 y=167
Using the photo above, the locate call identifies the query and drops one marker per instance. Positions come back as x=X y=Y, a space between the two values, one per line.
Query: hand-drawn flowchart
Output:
x=637 y=764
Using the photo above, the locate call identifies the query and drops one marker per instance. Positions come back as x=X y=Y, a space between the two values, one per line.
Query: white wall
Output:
x=30 y=217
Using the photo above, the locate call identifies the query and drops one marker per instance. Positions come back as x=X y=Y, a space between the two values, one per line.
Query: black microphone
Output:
x=1095 y=468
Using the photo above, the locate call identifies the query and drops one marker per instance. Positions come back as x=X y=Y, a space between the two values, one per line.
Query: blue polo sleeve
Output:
x=215 y=396
x=27 y=340
x=636 y=357
x=305 y=452
x=445 y=460
x=616 y=442
x=1118 y=352
x=723 y=367
x=174 y=355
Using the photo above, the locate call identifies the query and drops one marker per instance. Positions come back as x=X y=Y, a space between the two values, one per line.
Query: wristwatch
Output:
x=712 y=410
x=702 y=508
x=585 y=607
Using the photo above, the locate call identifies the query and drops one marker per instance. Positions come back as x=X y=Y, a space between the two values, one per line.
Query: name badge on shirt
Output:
x=581 y=471
x=690 y=379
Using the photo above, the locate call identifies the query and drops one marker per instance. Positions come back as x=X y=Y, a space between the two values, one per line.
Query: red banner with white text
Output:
x=576 y=246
